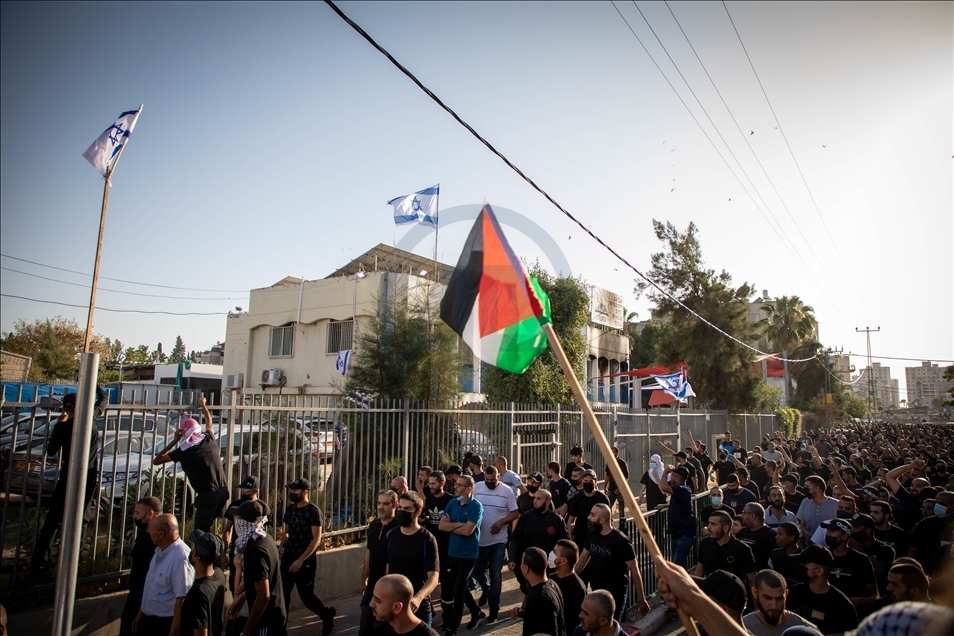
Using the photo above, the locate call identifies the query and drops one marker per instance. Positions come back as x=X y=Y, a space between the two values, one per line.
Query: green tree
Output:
x=790 y=323
x=178 y=351
x=544 y=382
x=643 y=345
x=406 y=351
x=720 y=369
x=158 y=356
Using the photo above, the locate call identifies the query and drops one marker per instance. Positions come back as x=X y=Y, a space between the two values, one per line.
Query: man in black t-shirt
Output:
x=886 y=531
x=851 y=571
x=434 y=505
x=543 y=608
x=572 y=587
x=391 y=604
x=879 y=553
x=198 y=452
x=576 y=461
x=581 y=505
x=412 y=552
x=204 y=605
x=715 y=503
x=721 y=551
x=143 y=551
x=300 y=540
x=607 y=558
x=723 y=468
x=818 y=601
x=783 y=557
x=755 y=534
x=525 y=499
x=376 y=556
x=559 y=487
x=262 y=576
x=248 y=491
x=540 y=527
x=613 y=493
x=793 y=496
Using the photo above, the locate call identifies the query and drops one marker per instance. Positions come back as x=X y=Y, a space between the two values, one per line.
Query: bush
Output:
x=789 y=422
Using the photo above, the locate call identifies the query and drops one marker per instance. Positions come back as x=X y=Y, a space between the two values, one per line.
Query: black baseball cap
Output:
x=299 y=484
x=732 y=478
x=816 y=554
x=537 y=477
x=682 y=455
x=589 y=471
x=871 y=492
x=790 y=478
x=476 y=460
x=863 y=521
x=232 y=511
x=207 y=546
x=251 y=510
x=726 y=588
x=838 y=524
x=249 y=483
x=682 y=472
x=454 y=470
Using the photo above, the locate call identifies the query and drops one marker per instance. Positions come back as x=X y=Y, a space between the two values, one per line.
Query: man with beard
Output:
x=565 y=555
x=525 y=500
x=412 y=551
x=755 y=534
x=851 y=571
x=886 y=531
x=539 y=527
x=559 y=488
x=735 y=496
x=499 y=510
x=793 y=496
x=681 y=519
x=907 y=582
x=142 y=552
x=391 y=605
x=879 y=553
x=376 y=557
x=582 y=504
x=776 y=514
x=817 y=600
x=721 y=551
x=436 y=502
x=771 y=618
x=543 y=609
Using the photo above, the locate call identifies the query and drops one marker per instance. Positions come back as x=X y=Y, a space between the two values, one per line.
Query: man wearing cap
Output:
x=581 y=505
x=867 y=497
x=198 y=452
x=682 y=460
x=880 y=553
x=735 y=496
x=60 y=444
x=499 y=511
x=475 y=464
x=167 y=583
x=793 y=496
x=261 y=571
x=540 y=527
x=376 y=556
x=300 y=539
x=452 y=473
x=681 y=518
x=204 y=605
x=755 y=534
x=817 y=600
x=248 y=491
x=771 y=618
x=851 y=571
x=721 y=551
x=728 y=591
x=525 y=500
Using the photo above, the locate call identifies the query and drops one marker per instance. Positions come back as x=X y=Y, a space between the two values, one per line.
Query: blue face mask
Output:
x=716 y=501
x=940 y=510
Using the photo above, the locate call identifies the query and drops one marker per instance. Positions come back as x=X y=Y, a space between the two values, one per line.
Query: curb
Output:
x=652 y=622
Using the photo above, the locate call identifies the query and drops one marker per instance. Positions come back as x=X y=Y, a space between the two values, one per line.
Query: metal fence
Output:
x=347 y=451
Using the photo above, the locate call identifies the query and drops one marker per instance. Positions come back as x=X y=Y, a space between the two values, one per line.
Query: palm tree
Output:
x=790 y=323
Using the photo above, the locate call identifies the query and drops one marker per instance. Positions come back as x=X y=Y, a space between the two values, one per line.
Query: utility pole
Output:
x=871 y=384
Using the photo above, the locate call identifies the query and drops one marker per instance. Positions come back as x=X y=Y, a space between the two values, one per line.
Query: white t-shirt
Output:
x=511 y=479
x=497 y=503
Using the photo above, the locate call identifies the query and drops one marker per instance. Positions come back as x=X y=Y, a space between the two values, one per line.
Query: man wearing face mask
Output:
x=462 y=518
x=654 y=497
x=851 y=571
x=582 y=504
x=563 y=557
x=142 y=552
x=248 y=491
x=817 y=507
x=300 y=540
x=818 y=601
x=930 y=534
x=261 y=572
x=499 y=510
x=412 y=552
x=723 y=467
x=540 y=527
x=576 y=486
x=880 y=553
x=607 y=558
x=715 y=503
x=735 y=496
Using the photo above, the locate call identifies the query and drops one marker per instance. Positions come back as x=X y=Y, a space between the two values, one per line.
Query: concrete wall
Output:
x=339 y=575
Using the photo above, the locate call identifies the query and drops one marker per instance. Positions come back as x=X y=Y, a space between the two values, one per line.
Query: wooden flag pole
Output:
x=611 y=464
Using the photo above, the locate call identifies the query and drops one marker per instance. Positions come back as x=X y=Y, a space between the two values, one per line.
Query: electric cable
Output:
x=789 y=146
x=865 y=355
x=115 y=291
x=530 y=181
x=119 y=311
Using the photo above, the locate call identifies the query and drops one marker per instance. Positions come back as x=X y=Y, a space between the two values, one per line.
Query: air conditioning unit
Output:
x=235 y=381
x=272 y=377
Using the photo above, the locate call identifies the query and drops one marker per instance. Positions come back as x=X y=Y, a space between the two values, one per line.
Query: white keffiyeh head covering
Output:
x=246 y=531
x=908 y=619
x=656 y=474
x=191 y=433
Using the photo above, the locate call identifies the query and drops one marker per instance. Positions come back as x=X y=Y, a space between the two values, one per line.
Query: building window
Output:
x=339 y=336
x=281 y=341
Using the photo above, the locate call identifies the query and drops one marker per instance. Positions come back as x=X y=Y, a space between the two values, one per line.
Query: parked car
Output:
x=19 y=423
x=327 y=436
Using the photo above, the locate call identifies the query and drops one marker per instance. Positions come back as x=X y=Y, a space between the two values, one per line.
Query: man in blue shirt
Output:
x=681 y=524
x=461 y=519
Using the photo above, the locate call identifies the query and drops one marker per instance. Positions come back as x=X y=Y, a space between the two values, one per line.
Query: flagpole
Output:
x=437 y=230
x=611 y=464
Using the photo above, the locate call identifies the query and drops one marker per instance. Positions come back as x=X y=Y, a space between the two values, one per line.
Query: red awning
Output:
x=648 y=371
x=660 y=398
x=774 y=368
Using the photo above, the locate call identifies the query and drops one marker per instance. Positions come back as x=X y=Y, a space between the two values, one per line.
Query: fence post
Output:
x=406 y=438
x=510 y=437
x=233 y=414
x=557 y=437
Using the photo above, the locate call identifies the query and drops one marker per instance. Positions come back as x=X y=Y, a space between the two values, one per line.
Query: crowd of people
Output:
x=819 y=533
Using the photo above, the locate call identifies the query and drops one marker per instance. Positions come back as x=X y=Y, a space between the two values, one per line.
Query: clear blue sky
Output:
x=272 y=136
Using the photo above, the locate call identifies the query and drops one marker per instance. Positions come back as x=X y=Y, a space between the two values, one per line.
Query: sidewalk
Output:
x=304 y=623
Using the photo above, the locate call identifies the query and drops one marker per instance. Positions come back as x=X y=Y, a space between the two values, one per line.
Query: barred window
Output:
x=339 y=336
x=282 y=340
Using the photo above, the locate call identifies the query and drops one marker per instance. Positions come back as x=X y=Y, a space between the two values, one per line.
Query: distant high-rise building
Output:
x=885 y=391
x=925 y=383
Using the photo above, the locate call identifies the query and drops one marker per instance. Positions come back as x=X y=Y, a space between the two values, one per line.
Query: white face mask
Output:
x=551 y=560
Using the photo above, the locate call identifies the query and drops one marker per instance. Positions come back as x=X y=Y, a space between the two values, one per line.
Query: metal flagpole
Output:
x=611 y=464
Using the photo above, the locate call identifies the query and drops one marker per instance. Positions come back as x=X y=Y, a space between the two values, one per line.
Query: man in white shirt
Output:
x=508 y=477
x=500 y=509
x=168 y=581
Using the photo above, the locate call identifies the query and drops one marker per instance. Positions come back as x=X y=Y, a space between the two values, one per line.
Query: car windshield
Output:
x=124 y=445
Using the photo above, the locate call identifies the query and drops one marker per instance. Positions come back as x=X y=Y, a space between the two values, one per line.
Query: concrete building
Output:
x=842 y=367
x=215 y=355
x=608 y=349
x=886 y=392
x=925 y=383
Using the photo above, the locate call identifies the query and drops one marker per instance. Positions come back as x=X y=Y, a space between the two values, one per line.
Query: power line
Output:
x=131 y=282
x=119 y=311
x=906 y=359
x=115 y=291
x=745 y=137
x=789 y=146
x=530 y=181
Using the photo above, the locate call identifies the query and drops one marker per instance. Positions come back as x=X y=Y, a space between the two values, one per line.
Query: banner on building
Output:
x=606 y=308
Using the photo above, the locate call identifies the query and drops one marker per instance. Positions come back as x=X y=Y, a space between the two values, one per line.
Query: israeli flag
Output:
x=420 y=207
x=344 y=357
x=121 y=357
x=675 y=385
x=107 y=146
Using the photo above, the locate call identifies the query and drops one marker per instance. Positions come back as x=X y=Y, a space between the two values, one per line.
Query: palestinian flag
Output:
x=491 y=302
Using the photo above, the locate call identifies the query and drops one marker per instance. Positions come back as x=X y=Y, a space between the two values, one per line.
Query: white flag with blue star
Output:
x=344 y=357
x=420 y=207
x=675 y=385
x=121 y=357
x=107 y=146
